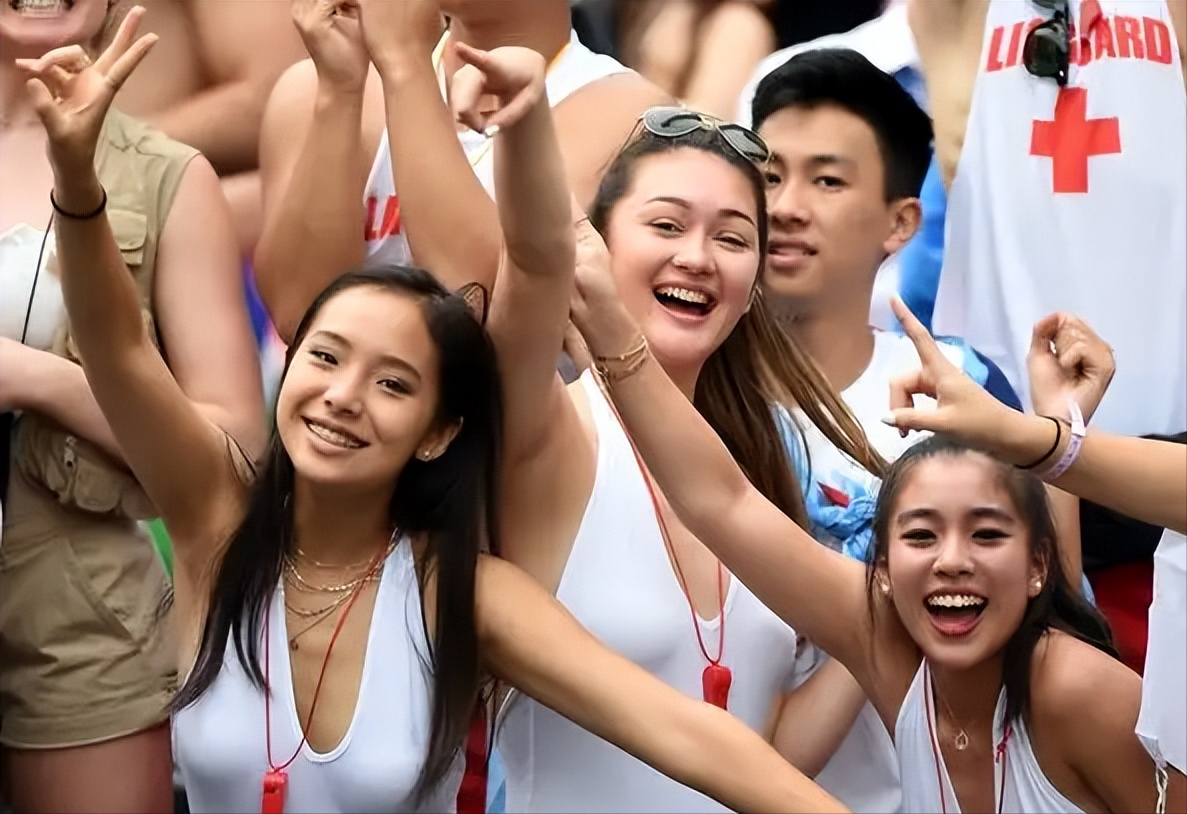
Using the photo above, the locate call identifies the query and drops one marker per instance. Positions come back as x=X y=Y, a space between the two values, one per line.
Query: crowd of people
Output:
x=544 y=406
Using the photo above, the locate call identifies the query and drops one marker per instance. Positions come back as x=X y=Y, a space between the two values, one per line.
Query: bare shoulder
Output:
x=1069 y=675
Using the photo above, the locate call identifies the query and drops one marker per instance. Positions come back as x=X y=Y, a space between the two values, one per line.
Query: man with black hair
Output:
x=850 y=149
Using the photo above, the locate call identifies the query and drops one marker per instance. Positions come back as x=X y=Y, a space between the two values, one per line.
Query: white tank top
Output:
x=20 y=249
x=921 y=764
x=1074 y=199
x=577 y=67
x=619 y=583
x=219 y=742
x=1162 y=724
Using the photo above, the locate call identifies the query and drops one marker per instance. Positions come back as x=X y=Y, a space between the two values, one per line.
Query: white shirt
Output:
x=220 y=742
x=1162 y=724
x=20 y=249
x=1074 y=199
x=619 y=583
x=1018 y=779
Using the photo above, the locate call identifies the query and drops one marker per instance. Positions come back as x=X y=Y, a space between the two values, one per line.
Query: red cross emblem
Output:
x=1072 y=138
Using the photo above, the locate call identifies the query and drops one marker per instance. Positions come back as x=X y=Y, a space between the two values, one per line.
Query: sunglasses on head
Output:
x=1045 y=52
x=674 y=122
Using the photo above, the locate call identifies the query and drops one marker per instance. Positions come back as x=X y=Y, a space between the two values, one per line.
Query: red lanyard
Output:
x=999 y=751
x=276 y=778
x=716 y=678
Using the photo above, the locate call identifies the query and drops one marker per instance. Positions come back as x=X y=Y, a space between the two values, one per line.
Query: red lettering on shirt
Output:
x=377 y=228
x=1129 y=38
x=1158 y=40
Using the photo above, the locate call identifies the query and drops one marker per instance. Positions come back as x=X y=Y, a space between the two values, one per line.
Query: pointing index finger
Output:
x=929 y=352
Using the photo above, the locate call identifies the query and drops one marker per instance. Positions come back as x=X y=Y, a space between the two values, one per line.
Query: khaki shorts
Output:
x=83 y=656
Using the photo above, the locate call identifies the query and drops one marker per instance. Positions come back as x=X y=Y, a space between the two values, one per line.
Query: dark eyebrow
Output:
x=683 y=204
x=829 y=160
x=386 y=359
x=981 y=513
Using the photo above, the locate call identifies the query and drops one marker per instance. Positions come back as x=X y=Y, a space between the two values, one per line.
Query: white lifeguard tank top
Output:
x=1019 y=782
x=619 y=583
x=220 y=743
x=577 y=67
x=1074 y=199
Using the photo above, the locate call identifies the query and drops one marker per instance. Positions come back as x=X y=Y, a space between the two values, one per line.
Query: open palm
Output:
x=72 y=94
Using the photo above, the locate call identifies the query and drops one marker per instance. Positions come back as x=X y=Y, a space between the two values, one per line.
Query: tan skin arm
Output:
x=814 y=718
x=198 y=302
x=313 y=169
x=155 y=422
x=243 y=47
x=532 y=642
x=313 y=214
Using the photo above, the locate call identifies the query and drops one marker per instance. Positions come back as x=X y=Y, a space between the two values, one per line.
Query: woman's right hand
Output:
x=72 y=95
x=513 y=75
x=596 y=310
x=964 y=410
x=333 y=37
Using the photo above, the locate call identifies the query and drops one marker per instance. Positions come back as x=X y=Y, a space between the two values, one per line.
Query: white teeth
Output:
x=334 y=437
x=955 y=601
x=683 y=294
x=41 y=7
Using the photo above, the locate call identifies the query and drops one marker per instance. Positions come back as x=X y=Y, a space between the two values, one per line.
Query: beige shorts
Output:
x=84 y=657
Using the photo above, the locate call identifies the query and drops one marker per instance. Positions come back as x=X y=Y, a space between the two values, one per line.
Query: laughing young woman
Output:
x=336 y=615
x=984 y=664
x=683 y=210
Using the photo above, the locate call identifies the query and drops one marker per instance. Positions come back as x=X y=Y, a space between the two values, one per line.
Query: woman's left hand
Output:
x=596 y=309
x=72 y=94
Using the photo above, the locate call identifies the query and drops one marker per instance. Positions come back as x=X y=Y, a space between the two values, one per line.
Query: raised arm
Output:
x=1143 y=478
x=156 y=425
x=819 y=592
x=530 y=304
x=313 y=165
x=430 y=169
x=531 y=641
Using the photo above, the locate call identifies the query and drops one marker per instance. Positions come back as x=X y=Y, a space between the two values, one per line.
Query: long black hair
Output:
x=449 y=502
x=1058 y=606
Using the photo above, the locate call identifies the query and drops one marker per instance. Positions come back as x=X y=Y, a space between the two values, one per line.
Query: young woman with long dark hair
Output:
x=335 y=613
x=983 y=662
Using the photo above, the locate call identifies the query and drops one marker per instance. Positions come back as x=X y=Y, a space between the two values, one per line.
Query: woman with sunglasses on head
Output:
x=334 y=612
x=682 y=208
x=996 y=680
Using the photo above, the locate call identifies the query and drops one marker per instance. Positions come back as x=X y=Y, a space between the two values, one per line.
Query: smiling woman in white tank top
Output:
x=682 y=209
x=335 y=615
x=997 y=680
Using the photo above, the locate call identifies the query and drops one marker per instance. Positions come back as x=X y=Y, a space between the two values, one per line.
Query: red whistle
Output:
x=275 y=785
x=715 y=682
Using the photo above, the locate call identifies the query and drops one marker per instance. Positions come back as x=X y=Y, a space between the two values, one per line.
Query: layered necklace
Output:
x=332 y=596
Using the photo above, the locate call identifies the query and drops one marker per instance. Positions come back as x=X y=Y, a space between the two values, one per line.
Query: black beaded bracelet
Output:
x=1055 y=446
x=88 y=216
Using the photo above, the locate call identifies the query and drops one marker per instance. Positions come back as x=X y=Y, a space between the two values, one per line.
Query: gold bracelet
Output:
x=617 y=368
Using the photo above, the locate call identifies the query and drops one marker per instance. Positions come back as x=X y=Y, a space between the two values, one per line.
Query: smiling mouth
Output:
x=685 y=301
x=41 y=8
x=953 y=613
x=790 y=250
x=334 y=437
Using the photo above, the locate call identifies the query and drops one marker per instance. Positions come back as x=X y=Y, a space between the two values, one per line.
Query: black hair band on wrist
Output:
x=1054 y=446
x=88 y=216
